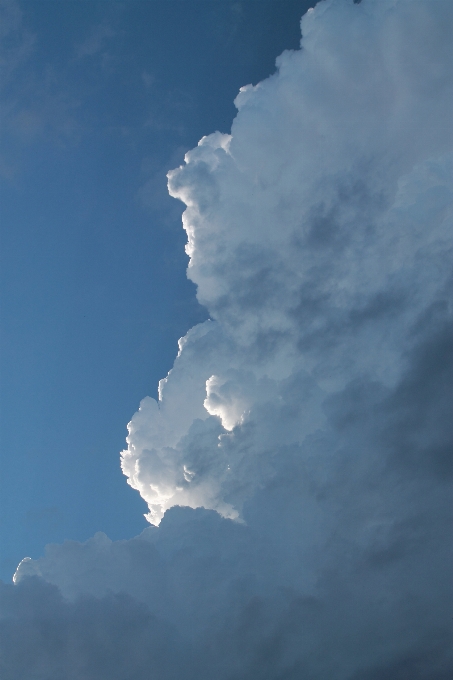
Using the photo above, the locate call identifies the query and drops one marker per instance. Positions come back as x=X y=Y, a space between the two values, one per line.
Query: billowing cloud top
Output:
x=313 y=407
x=319 y=240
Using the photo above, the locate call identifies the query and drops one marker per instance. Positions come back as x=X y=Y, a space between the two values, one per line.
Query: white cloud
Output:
x=307 y=240
x=313 y=407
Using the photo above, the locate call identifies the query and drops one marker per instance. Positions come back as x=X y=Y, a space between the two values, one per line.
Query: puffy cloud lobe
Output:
x=311 y=413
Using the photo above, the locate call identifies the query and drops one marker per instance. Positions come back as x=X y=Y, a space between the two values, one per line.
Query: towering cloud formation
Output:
x=319 y=242
x=312 y=409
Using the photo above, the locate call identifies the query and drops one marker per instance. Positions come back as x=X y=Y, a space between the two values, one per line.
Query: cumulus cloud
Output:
x=305 y=427
x=318 y=236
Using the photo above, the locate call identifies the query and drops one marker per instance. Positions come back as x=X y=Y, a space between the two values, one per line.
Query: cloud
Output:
x=47 y=638
x=153 y=194
x=318 y=237
x=305 y=427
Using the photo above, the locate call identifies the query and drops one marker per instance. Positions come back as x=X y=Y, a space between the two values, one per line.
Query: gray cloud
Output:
x=46 y=638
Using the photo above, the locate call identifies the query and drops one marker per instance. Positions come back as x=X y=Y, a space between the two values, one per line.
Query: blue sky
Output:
x=101 y=100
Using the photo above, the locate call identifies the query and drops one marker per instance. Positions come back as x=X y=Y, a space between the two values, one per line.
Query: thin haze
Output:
x=297 y=465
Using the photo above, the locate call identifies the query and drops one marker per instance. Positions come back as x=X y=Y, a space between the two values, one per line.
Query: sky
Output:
x=288 y=397
x=100 y=100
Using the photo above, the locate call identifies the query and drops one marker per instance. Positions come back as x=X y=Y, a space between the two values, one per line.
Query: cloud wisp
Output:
x=298 y=462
